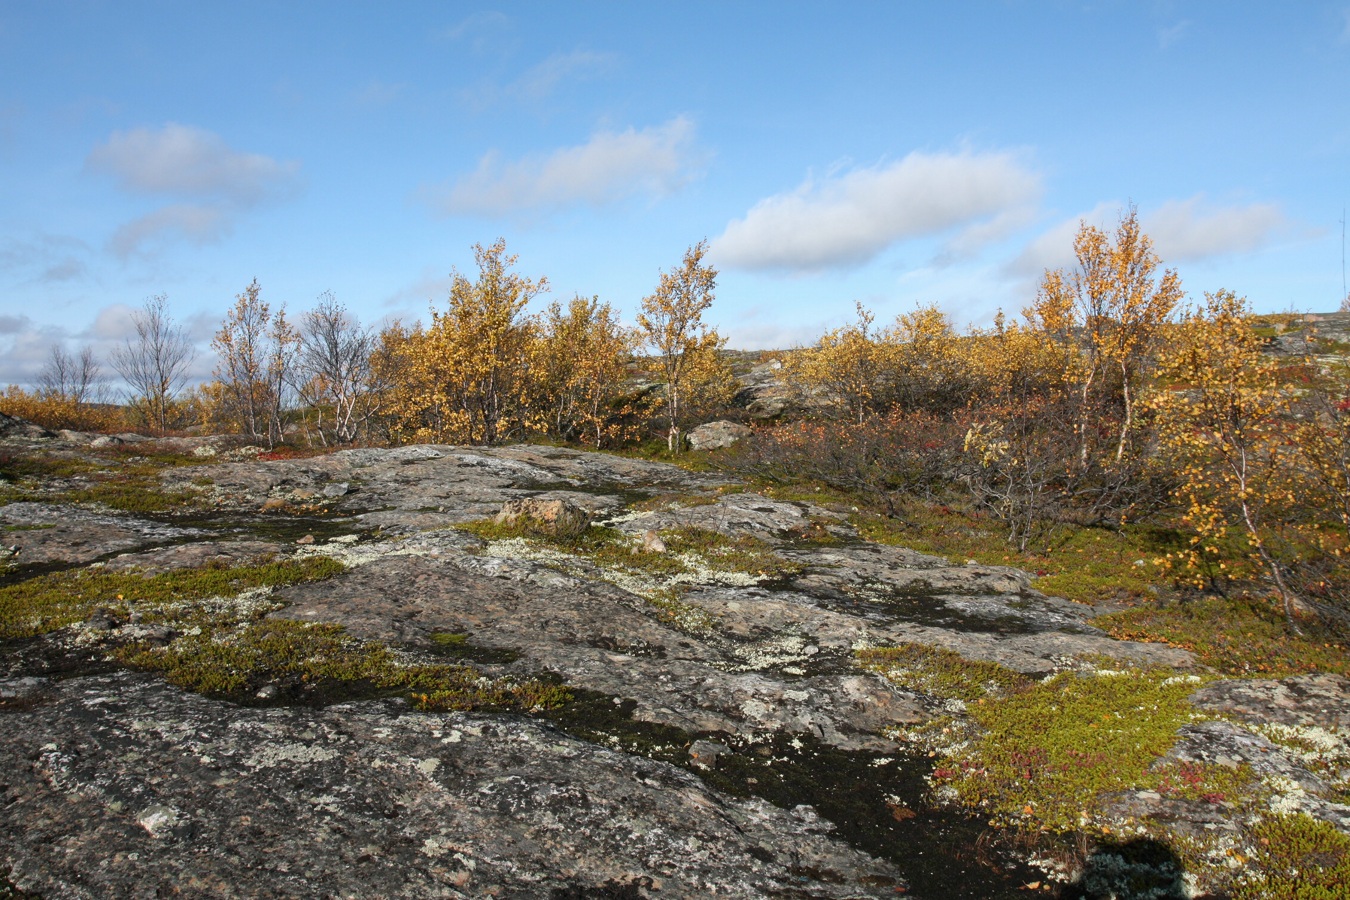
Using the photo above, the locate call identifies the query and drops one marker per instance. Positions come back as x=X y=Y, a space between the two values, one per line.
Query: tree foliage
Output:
x=686 y=348
x=154 y=363
x=581 y=367
x=256 y=349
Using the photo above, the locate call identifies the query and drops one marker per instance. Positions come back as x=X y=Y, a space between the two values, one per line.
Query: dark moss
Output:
x=877 y=803
x=456 y=645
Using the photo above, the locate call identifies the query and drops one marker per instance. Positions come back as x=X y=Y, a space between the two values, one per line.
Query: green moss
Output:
x=1044 y=757
x=1088 y=565
x=1236 y=636
x=1297 y=858
x=133 y=496
x=941 y=673
x=236 y=662
x=49 y=602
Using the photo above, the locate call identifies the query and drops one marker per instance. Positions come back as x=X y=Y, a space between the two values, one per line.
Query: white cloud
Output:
x=1345 y=26
x=848 y=219
x=1181 y=231
x=153 y=231
x=113 y=323
x=193 y=165
x=186 y=161
x=607 y=168
x=1053 y=248
x=1186 y=230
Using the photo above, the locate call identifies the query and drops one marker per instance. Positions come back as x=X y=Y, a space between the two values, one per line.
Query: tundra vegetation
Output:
x=1140 y=453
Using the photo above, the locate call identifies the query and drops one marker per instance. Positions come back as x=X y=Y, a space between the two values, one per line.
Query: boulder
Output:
x=717 y=435
x=555 y=518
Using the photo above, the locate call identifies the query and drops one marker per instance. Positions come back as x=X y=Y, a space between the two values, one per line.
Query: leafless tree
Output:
x=154 y=362
x=335 y=370
x=74 y=379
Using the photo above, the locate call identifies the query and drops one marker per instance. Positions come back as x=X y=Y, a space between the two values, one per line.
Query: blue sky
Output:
x=890 y=153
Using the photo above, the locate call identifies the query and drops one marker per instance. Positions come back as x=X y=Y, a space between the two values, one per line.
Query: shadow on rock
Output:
x=1141 y=869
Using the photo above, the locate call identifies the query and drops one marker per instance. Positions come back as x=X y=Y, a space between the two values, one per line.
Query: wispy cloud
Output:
x=847 y=219
x=607 y=168
x=475 y=24
x=378 y=93
x=189 y=164
x=541 y=81
x=482 y=32
x=1345 y=26
x=1172 y=33
x=169 y=224
x=45 y=259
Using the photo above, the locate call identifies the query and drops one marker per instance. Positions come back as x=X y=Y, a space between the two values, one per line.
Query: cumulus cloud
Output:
x=609 y=167
x=1185 y=230
x=187 y=161
x=1181 y=231
x=113 y=323
x=848 y=219
x=193 y=165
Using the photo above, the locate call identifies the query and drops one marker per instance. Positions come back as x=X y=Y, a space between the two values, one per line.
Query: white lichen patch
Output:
x=158 y=820
x=269 y=755
x=776 y=653
x=353 y=555
x=1287 y=796
x=1323 y=751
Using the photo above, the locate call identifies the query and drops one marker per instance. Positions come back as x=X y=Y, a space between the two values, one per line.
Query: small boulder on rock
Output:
x=717 y=435
x=554 y=518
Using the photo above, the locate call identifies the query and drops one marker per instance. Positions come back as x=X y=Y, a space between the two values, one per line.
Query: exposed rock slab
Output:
x=177 y=794
x=49 y=533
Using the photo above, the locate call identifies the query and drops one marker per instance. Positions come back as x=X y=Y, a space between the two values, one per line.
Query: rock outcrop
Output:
x=723 y=741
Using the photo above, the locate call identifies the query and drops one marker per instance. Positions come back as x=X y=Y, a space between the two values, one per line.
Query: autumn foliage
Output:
x=1107 y=402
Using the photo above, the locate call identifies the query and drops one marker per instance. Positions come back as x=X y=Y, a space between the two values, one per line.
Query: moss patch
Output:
x=456 y=645
x=49 y=602
x=941 y=673
x=1088 y=565
x=111 y=478
x=1297 y=858
x=236 y=662
x=1043 y=757
x=1239 y=636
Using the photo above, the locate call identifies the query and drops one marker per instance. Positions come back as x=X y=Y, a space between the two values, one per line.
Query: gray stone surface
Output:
x=119 y=786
